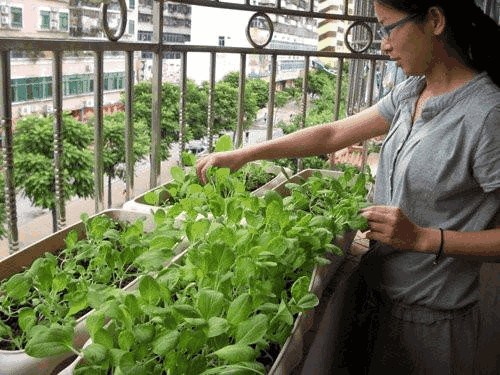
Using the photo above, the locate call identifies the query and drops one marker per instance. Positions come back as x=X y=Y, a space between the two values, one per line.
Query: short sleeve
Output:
x=387 y=106
x=486 y=164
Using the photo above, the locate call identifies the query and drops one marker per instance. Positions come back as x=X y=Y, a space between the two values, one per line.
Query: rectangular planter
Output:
x=293 y=352
x=18 y=362
x=139 y=204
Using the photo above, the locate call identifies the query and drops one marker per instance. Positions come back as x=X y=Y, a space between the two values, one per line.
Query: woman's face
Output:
x=408 y=44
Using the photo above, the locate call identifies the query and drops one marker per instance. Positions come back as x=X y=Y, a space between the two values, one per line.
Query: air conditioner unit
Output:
x=4 y=9
x=4 y=20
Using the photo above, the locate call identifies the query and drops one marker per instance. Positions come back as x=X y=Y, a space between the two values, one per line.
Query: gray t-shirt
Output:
x=442 y=171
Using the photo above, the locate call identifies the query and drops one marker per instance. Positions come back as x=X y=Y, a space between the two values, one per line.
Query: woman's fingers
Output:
x=391 y=226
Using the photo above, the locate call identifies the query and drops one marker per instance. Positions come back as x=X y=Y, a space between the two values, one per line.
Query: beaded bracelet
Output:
x=440 y=251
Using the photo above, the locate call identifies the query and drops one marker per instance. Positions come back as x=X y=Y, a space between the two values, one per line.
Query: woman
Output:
x=436 y=212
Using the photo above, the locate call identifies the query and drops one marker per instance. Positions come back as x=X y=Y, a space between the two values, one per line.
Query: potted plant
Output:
x=56 y=282
x=230 y=303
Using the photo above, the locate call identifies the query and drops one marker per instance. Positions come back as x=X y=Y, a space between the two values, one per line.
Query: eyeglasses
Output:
x=385 y=31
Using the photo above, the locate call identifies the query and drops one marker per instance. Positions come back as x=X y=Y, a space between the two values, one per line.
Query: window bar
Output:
x=270 y=103
x=210 y=114
x=156 y=94
x=303 y=109
x=129 y=125
x=57 y=88
x=98 y=133
x=182 y=106
x=371 y=80
x=383 y=72
x=241 y=100
x=8 y=158
x=311 y=6
x=338 y=93
x=346 y=7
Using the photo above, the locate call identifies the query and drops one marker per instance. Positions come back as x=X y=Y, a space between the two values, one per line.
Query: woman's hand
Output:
x=229 y=159
x=391 y=226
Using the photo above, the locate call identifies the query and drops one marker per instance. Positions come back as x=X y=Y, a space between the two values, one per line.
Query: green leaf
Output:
x=224 y=143
x=144 y=332
x=95 y=353
x=217 y=326
x=177 y=173
x=49 y=341
x=18 y=286
x=77 y=302
x=26 y=319
x=187 y=311
x=94 y=322
x=251 y=330
x=236 y=353
x=283 y=314
x=126 y=340
x=242 y=368
x=308 y=301
x=300 y=287
x=197 y=230
x=239 y=309
x=209 y=303
x=71 y=239
x=103 y=337
x=166 y=342
x=149 y=289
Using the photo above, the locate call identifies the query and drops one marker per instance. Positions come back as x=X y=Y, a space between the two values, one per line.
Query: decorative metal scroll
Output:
x=123 y=24
x=259 y=30
x=358 y=37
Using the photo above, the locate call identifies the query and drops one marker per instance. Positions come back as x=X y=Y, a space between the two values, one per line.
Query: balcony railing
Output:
x=363 y=58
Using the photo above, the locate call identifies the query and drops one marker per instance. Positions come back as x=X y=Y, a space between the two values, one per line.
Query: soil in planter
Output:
x=268 y=357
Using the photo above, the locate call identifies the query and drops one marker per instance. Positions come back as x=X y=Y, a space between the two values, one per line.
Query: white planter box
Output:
x=139 y=204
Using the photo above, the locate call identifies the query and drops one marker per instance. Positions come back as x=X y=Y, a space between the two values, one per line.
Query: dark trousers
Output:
x=381 y=337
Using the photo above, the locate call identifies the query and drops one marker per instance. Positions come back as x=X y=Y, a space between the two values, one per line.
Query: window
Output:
x=16 y=17
x=39 y=88
x=63 y=21
x=113 y=81
x=45 y=19
x=145 y=36
x=78 y=84
x=131 y=4
x=222 y=41
x=131 y=27
x=34 y=88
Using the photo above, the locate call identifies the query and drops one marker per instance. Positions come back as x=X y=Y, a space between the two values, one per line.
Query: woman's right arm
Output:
x=315 y=140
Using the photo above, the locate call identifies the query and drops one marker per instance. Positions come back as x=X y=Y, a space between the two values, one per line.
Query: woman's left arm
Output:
x=391 y=226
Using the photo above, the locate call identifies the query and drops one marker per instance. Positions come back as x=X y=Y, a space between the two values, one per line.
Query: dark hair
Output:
x=468 y=29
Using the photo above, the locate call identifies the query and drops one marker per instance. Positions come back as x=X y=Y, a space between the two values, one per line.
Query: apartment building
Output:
x=289 y=33
x=77 y=19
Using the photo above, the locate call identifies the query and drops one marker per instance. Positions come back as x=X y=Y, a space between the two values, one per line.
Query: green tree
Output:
x=196 y=111
x=114 y=146
x=260 y=90
x=226 y=103
x=169 y=125
x=33 y=160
